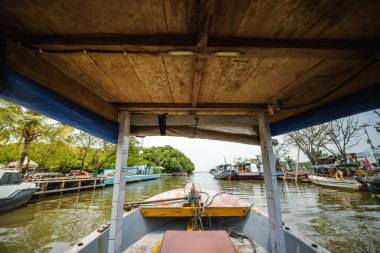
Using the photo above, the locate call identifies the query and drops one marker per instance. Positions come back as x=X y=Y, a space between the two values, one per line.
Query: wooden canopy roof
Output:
x=210 y=65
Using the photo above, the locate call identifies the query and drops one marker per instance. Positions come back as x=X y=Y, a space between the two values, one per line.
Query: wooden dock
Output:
x=66 y=184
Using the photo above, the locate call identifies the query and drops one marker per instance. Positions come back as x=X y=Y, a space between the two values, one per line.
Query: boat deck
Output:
x=149 y=243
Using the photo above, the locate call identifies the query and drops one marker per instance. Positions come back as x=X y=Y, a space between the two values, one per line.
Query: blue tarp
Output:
x=27 y=93
x=362 y=101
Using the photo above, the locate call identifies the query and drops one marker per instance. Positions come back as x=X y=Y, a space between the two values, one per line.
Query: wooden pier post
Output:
x=271 y=186
x=298 y=164
x=116 y=227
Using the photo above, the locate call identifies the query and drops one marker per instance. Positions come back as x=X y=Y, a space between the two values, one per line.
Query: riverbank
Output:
x=339 y=221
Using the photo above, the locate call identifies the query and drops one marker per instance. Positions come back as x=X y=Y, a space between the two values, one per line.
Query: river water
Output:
x=340 y=221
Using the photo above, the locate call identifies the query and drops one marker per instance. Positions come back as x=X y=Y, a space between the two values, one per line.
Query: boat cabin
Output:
x=10 y=177
x=246 y=167
x=223 y=167
x=338 y=171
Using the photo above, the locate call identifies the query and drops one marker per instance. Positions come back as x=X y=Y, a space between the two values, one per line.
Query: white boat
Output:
x=194 y=220
x=334 y=176
x=14 y=192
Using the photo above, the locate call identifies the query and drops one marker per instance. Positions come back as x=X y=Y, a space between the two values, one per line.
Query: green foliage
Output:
x=156 y=170
x=9 y=153
x=55 y=146
x=135 y=153
x=168 y=157
x=290 y=161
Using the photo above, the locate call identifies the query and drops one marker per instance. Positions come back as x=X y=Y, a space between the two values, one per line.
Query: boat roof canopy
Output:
x=202 y=69
x=334 y=166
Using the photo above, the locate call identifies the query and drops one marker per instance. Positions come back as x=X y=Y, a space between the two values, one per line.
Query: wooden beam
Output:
x=188 y=120
x=169 y=107
x=206 y=13
x=189 y=211
x=197 y=81
x=106 y=40
x=198 y=133
x=163 y=45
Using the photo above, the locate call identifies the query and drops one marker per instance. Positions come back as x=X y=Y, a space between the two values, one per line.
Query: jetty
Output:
x=109 y=181
x=66 y=184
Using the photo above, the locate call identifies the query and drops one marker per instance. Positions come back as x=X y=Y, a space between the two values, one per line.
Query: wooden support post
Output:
x=298 y=164
x=116 y=228
x=271 y=186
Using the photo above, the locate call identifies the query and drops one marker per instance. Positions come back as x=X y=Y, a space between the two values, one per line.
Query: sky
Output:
x=205 y=154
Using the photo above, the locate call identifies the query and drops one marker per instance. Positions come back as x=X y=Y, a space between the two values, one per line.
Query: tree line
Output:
x=332 y=138
x=55 y=146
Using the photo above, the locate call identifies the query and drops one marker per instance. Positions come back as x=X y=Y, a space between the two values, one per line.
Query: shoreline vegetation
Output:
x=28 y=137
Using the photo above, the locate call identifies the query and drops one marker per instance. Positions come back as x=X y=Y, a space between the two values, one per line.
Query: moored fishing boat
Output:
x=335 y=176
x=247 y=171
x=194 y=220
x=225 y=175
x=295 y=175
x=108 y=176
x=14 y=192
x=371 y=184
x=224 y=172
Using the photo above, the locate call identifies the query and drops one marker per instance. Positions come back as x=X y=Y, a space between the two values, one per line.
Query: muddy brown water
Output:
x=341 y=221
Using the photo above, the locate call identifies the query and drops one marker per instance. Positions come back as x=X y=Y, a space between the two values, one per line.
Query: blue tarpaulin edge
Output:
x=16 y=88
x=358 y=102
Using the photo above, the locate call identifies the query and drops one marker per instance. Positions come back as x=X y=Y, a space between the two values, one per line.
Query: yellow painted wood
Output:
x=188 y=211
x=156 y=247
x=189 y=226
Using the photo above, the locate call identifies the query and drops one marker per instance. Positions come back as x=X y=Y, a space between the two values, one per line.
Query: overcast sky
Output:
x=205 y=154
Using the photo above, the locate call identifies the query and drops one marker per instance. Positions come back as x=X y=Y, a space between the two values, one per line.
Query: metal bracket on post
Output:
x=116 y=228
x=271 y=186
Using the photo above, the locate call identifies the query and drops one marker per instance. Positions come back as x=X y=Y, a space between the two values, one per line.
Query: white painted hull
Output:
x=333 y=183
x=12 y=196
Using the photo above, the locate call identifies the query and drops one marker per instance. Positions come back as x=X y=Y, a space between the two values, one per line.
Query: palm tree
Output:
x=25 y=126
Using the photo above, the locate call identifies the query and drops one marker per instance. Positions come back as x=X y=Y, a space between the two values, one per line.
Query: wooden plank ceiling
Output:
x=181 y=57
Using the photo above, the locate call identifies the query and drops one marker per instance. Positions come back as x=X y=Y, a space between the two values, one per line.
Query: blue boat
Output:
x=224 y=172
x=134 y=174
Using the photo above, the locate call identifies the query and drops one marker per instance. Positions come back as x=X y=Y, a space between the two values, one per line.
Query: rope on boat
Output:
x=232 y=232
x=213 y=198
x=198 y=212
x=132 y=205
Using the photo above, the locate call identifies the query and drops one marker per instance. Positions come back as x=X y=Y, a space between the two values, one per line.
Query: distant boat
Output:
x=247 y=171
x=134 y=174
x=294 y=175
x=372 y=184
x=213 y=171
x=335 y=176
x=14 y=192
x=224 y=172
